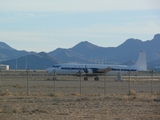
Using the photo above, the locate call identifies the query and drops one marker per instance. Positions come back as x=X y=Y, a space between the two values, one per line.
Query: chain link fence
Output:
x=39 y=82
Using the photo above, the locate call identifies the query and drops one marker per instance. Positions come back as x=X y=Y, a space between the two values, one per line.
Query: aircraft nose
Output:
x=49 y=70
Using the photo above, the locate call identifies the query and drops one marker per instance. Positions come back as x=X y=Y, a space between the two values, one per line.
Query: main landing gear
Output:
x=96 y=78
x=85 y=78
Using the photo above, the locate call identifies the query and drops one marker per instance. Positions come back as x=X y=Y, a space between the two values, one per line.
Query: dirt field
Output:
x=69 y=98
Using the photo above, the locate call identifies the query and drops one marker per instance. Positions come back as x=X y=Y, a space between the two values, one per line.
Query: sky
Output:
x=45 y=25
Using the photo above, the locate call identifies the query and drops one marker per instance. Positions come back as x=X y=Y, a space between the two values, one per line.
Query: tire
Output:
x=85 y=78
x=96 y=78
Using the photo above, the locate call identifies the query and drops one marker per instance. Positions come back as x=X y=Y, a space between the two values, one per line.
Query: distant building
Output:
x=4 y=67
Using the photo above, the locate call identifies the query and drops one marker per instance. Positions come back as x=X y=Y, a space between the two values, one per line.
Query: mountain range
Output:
x=83 y=52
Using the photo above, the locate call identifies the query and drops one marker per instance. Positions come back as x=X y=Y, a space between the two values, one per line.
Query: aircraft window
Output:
x=74 y=68
x=124 y=70
x=131 y=70
x=68 y=68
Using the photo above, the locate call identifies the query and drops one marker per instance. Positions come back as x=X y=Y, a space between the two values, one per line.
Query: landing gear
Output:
x=96 y=78
x=85 y=78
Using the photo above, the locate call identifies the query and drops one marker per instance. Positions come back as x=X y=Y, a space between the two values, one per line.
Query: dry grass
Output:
x=17 y=86
x=68 y=104
x=5 y=93
x=133 y=92
x=74 y=106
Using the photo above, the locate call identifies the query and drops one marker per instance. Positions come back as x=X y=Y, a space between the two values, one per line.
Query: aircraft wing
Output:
x=105 y=70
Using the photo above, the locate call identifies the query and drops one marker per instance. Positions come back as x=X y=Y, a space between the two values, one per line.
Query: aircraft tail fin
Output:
x=141 y=63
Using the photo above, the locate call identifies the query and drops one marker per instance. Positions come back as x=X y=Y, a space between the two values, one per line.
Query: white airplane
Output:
x=98 y=69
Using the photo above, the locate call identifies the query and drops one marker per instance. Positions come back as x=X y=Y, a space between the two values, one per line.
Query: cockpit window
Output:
x=56 y=66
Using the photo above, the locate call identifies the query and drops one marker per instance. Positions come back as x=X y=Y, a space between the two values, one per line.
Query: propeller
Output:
x=85 y=69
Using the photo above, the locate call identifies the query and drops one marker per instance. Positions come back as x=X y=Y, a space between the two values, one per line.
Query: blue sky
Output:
x=44 y=25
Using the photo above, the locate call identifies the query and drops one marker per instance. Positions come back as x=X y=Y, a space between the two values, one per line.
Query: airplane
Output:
x=98 y=69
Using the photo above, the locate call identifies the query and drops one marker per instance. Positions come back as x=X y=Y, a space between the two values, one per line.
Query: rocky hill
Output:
x=84 y=52
x=7 y=52
x=88 y=52
x=39 y=61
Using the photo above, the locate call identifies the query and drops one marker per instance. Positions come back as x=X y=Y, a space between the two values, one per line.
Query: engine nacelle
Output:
x=90 y=71
x=87 y=71
x=95 y=70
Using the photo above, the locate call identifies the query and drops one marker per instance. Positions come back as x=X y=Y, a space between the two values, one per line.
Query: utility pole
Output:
x=27 y=81
x=16 y=63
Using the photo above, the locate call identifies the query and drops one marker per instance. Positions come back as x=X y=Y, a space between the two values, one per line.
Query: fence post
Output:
x=129 y=82
x=54 y=78
x=0 y=74
x=152 y=72
x=80 y=83
x=105 y=91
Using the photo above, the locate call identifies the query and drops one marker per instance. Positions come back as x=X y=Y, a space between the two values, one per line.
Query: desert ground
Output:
x=37 y=96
